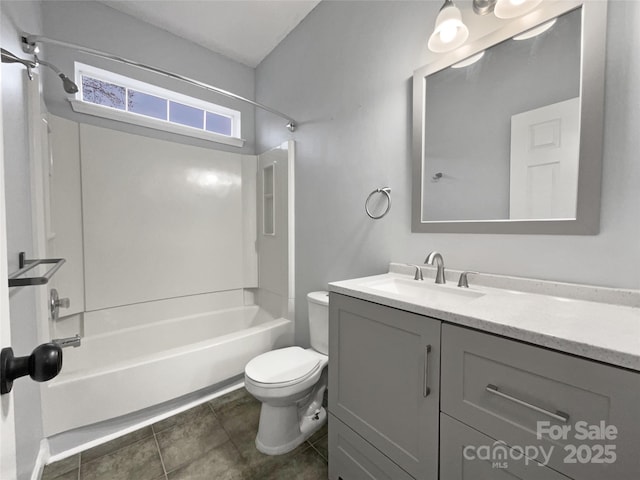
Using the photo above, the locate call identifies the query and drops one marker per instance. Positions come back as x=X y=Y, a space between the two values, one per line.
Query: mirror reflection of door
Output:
x=468 y=112
x=544 y=161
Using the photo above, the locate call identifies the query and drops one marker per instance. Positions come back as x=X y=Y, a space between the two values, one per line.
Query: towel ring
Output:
x=387 y=192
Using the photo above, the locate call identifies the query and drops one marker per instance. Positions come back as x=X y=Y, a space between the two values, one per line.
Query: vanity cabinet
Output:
x=409 y=395
x=353 y=458
x=504 y=388
x=384 y=381
x=456 y=439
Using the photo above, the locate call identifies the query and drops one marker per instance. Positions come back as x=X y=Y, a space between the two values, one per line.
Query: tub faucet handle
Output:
x=55 y=303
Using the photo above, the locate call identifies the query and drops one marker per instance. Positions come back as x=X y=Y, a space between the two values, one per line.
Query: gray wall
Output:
x=345 y=74
x=24 y=335
x=476 y=103
x=94 y=25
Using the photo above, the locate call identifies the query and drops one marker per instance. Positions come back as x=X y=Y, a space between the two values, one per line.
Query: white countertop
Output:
x=606 y=332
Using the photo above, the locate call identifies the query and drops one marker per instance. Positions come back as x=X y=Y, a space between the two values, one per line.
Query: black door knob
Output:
x=44 y=363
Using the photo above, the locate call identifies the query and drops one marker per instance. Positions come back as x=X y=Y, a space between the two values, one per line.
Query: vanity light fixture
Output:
x=483 y=7
x=514 y=8
x=469 y=60
x=450 y=31
x=535 y=31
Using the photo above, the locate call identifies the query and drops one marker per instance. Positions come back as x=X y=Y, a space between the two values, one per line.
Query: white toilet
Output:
x=290 y=383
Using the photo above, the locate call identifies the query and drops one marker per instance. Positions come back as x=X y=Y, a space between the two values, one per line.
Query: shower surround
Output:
x=161 y=243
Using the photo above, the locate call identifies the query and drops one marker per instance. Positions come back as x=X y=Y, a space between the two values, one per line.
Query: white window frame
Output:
x=80 y=106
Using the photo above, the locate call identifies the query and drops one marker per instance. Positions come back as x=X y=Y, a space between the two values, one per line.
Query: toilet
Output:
x=290 y=383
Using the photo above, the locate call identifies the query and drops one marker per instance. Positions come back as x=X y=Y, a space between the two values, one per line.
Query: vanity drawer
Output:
x=504 y=388
x=466 y=454
x=353 y=458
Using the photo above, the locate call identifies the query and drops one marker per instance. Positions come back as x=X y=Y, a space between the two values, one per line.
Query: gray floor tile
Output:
x=220 y=463
x=196 y=433
x=307 y=465
x=55 y=470
x=72 y=475
x=263 y=466
x=116 y=444
x=322 y=432
x=322 y=447
x=215 y=440
x=139 y=461
x=232 y=400
x=241 y=423
x=186 y=416
x=241 y=419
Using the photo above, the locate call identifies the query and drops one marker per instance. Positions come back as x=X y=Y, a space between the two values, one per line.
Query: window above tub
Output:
x=110 y=95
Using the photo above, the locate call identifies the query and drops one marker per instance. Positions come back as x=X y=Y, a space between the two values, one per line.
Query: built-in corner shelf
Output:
x=27 y=265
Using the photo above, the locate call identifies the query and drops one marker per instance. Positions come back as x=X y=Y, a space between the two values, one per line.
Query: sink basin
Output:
x=425 y=290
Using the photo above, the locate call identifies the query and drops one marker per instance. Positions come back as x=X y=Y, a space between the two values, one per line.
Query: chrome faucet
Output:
x=437 y=258
x=418 y=275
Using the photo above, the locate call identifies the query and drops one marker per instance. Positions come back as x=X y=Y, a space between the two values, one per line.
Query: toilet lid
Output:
x=283 y=365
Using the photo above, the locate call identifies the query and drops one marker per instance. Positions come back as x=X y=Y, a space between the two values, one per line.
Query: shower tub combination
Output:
x=120 y=372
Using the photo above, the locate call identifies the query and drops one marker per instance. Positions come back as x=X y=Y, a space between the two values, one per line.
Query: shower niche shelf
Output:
x=27 y=265
x=268 y=203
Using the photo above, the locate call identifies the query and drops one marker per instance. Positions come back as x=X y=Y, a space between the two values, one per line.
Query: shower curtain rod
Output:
x=29 y=45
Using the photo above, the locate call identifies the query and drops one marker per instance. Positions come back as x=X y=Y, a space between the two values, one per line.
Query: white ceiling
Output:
x=244 y=30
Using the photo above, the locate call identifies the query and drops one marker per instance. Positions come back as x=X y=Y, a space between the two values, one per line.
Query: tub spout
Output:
x=68 y=342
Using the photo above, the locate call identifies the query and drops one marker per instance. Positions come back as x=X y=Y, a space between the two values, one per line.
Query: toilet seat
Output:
x=283 y=367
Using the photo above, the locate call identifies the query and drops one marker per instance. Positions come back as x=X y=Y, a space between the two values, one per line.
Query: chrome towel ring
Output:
x=387 y=192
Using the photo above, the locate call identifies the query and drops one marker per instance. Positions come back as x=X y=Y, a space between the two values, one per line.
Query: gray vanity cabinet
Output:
x=384 y=388
x=461 y=457
x=504 y=389
x=353 y=458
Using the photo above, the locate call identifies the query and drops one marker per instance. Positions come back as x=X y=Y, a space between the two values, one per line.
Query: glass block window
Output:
x=110 y=90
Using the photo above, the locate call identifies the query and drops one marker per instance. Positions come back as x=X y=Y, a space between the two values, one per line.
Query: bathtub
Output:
x=116 y=373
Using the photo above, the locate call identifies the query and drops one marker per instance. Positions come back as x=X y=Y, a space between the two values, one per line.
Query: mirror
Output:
x=508 y=129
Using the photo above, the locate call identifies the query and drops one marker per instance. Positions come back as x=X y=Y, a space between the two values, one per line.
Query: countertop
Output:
x=596 y=330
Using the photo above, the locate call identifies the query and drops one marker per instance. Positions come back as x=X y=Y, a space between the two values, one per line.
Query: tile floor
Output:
x=214 y=440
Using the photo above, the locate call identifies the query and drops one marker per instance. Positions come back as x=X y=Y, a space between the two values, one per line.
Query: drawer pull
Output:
x=558 y=415
x=425 y=385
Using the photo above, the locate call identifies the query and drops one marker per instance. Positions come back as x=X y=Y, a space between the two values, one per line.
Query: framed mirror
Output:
x=508 y=129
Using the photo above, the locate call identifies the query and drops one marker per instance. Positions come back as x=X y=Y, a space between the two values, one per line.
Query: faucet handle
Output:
x=418 y=275
x=463 y=282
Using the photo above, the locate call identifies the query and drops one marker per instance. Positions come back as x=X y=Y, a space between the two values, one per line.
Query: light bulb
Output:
x=448 y=33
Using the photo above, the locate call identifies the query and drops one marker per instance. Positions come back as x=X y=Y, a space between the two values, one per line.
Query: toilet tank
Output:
x=319 y=321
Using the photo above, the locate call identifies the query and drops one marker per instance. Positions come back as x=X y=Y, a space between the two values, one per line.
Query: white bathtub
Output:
x=113 y=374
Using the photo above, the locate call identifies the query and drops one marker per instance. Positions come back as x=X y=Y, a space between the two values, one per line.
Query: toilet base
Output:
x=273 y=439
